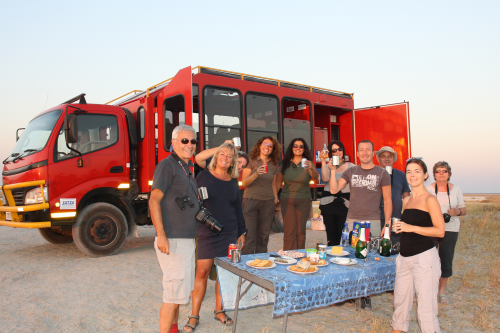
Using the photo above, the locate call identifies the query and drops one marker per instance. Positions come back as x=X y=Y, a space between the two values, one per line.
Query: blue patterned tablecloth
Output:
x=294 y=293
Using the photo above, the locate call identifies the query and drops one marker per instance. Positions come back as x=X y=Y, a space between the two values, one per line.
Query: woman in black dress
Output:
x=224 y=204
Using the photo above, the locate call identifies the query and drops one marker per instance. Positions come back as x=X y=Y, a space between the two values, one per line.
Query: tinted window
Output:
x=222 y=115
x=95 y=132
x=174 y=115
x=262 y=117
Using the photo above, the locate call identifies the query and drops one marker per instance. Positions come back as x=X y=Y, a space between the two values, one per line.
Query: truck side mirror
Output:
x=71 y=130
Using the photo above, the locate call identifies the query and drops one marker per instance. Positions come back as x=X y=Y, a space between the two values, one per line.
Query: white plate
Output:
x=344 y=253
x=8 y=216
x=303 y=273
x=293 y=261
x=321 y=265
x=335 y=261
x=249 y=261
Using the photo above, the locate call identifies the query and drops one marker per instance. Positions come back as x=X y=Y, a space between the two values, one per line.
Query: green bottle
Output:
x=385 y=247
x=361 y=247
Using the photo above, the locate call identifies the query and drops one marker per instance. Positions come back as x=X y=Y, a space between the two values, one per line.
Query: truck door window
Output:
x=222 y=109
x=174 y=115
x=296 y=121
x=141 y=123
x=262 y=117
x=95 y=132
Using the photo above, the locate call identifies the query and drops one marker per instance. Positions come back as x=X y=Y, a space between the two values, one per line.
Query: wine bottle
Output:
x=385 y=246
x=361 y=246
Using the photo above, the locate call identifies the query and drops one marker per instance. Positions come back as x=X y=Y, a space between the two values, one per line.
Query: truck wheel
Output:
x=54 y=237
x=100 y=230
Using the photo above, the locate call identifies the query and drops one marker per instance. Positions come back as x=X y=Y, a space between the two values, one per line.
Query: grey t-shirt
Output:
x=366 y=191
x=170 y=178
x=399 y=186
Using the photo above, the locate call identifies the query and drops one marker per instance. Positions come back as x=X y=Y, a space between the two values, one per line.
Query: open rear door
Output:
x=386 y=125
x=175 y=107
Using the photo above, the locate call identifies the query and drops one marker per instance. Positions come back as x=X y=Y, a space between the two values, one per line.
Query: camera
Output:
x=181 y=201
x=447 y=217
x=205 y=217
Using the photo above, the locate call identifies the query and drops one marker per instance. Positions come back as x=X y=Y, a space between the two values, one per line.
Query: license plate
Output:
x=8 y=216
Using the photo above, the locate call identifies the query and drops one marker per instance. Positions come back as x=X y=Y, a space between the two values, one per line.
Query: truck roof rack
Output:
x=239 y=76
x=80 y=97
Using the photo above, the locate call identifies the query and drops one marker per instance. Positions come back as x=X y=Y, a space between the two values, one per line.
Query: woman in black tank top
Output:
x=418 y=267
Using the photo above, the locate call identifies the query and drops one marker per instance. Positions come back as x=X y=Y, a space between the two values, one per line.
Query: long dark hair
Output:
x=255 y=152
x=289 y=154
x=341 y=147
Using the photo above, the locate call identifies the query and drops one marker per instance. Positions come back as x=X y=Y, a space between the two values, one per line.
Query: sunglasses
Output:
x=185 y=141
x=441 y=171
x=298 y=146
x=270 y=145
x=414 y=158
x=336 y=150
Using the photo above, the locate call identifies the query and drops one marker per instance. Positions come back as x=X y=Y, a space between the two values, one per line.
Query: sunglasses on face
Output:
x=442 y=171
x=336 y=150
x=298 y=146
x=185 y=141
x=270 y=145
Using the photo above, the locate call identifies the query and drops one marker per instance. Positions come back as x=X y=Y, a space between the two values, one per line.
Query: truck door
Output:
x=386 y=125
x=175 y=107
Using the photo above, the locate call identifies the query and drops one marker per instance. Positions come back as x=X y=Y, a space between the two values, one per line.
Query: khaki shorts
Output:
x=178 y=269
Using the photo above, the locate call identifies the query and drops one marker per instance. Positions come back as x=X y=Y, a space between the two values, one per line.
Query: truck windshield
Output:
x=36 y=134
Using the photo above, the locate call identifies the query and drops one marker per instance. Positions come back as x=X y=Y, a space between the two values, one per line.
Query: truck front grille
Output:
x=19 y=194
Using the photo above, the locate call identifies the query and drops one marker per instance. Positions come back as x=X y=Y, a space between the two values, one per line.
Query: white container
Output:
x=335 y=160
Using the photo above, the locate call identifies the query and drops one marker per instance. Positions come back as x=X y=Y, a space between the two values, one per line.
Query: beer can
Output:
x=304 y=165
x=265 y=167
x=231 y=247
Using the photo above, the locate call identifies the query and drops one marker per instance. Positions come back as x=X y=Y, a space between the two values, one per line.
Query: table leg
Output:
x=285 y=321
x=240 y=282
x=357 y=302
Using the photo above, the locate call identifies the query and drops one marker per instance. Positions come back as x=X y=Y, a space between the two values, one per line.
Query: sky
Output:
x=441 y=56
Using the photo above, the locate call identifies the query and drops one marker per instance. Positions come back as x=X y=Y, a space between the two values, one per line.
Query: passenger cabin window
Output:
x=296 y=121
x=141 y=122
x=222 y=115
x=95 y=132
x=262 y=117
x=174 y=115
x=196 y=114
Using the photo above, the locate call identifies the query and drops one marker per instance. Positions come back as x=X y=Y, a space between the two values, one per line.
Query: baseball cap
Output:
x=387 y=149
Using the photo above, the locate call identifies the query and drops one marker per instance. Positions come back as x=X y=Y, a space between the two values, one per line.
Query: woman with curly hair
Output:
x=260 y=197
x=296 y=194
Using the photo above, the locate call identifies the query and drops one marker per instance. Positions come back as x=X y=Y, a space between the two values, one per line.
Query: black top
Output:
x=337 y=207
x=176 y=181
x=412 y=243
x=223 y=203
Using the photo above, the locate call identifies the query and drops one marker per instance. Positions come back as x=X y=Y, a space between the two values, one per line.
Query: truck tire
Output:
x=100 y=230
x=54 y=237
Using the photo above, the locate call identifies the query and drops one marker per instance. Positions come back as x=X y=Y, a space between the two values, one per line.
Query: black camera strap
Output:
x=447 y=190
x=187 y=172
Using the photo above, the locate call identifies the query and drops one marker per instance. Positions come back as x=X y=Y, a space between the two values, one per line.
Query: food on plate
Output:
x=283 y=261
x=310 y=269
x=291 y=254
x=260 y=263
x=344 y=261
x=337 y=249
x=322 y=262
x=377 y=258
x=304 y=263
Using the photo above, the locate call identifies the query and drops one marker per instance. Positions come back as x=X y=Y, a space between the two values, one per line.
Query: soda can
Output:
x=304 y=165
x=265 y=167
x=231 y=247
x=367 y=229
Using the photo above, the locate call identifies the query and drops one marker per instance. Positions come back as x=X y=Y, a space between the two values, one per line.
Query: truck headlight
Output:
x=2 y=198
x=36 y=195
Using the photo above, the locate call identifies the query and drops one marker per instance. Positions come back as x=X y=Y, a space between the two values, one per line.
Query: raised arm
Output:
x=312 y=170
x=335 y=185
x=387 y=196
x=202 y=157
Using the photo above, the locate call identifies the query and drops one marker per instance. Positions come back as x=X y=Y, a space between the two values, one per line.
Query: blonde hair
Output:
x=233 y=168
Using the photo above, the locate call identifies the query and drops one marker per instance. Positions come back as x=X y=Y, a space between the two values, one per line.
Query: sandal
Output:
x=227 y=321
x=193 y=327
x=443 y=299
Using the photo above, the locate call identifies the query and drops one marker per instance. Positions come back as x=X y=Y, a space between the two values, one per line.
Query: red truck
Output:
x=83 y=172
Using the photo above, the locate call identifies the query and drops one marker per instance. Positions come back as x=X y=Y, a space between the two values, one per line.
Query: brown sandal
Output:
x=227 y=321
x=193 y=327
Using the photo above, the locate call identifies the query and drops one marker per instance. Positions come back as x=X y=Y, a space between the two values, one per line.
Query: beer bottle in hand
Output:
x=385 y=247
x=361 y=246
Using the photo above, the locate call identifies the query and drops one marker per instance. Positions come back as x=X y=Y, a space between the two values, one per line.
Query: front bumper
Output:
x=17 y=211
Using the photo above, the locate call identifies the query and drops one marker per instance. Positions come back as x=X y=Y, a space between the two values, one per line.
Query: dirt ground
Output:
x=56 y=288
